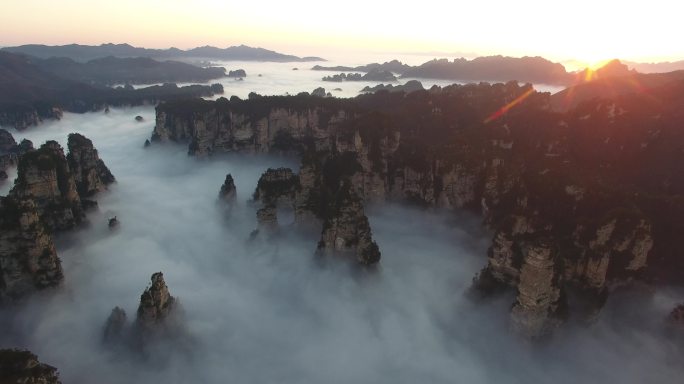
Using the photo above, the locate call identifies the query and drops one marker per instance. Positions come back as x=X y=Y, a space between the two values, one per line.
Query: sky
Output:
x=589 y=31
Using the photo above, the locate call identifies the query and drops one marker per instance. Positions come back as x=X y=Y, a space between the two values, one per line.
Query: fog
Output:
x=265 y=311
x=280 y=78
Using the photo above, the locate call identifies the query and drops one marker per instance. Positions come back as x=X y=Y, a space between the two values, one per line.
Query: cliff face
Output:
x=228 y=193
x=28 y=259
x=582 y=181
x=23 y=117
x=156 y=304
x=44 y=199
x=44 y=176
x=276 y=188
x=222 y=129
x=540 y=302
x=315 y=197
x=346 y=231
x=18 y=366
x=90 y=172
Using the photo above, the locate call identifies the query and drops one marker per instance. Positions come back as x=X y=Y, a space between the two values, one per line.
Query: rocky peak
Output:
x=228 y=193
x=540 y=302
x=156 y=303
x=90 y=173
x=114 y=327
x=276 y=188
x=17 y=366
x=346 y=230
x=44 y=176
x=28 y=259
x=7 y=142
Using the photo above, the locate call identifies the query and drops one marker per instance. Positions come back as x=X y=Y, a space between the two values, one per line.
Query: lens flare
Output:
x=508 y=106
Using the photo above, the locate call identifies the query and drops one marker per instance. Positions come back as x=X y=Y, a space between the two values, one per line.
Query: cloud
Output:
x=265 y=311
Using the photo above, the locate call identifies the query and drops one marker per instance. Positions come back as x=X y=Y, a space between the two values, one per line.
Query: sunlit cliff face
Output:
x=266 y=311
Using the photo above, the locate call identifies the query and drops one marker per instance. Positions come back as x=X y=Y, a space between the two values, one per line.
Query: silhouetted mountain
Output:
x=391 y=66
x=372 y=75
x=88 y=52
x=29 y=94
x=661 y=67
x=410 y=86
x=613 y=68
x=494 y=68
x=489 y=68
x=612 y=87
x=140 y=70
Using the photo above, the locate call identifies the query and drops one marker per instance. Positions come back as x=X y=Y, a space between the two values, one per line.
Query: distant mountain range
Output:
x=139 y=70
x=29 y=94
x=89 y=52
x=503 y=68
x=666 y=66
x=486 y=68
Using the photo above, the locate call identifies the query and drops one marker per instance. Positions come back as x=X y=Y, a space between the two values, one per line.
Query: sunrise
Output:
x=299 y=192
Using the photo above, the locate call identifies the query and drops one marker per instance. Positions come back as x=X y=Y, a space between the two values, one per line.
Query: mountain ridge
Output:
x=81 y=52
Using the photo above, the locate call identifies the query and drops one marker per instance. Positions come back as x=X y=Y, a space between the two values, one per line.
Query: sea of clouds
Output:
x=265 y=310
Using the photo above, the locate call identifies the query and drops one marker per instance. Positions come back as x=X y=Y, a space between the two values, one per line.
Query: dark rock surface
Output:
x=156 y=304
x=45 y=199
x=115 y=326
x=44 y=176
x=410 y=86
x=372 y=75
x=28 y=258
x=228 y=192
x=237 y=73
x=90 y=172
x=20 y=366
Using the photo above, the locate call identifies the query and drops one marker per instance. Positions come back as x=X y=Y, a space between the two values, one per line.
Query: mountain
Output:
x=605 y=85
x=28 y=94
x=140 y=70
x=494 y=68
x=486 y=68
x=89 y=52
x=661 y=67
x=391 y=66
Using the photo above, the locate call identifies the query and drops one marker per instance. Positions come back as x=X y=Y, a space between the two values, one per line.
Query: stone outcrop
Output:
x=156 y=304
x=24 y=117
x=115 y=326
x=277 y=188
x=540 y=302
x=228 y=193
x=316 y=198
x=45 y=198
x=10 y=151
x=7 y=142
x=17 y=366
x=45 y=177
x=90 y=172
x=218 y=127
x=28 y=259
x=676 y=317
x=7 y=156
x=238 y=73
x=346 y=230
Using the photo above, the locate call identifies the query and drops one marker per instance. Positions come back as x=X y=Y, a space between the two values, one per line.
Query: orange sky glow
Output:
x=586 y=31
